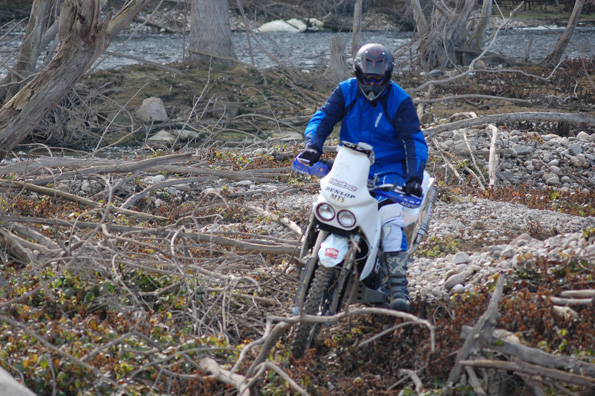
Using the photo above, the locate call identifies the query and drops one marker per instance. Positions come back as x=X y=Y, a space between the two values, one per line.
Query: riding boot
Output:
x=397 y=266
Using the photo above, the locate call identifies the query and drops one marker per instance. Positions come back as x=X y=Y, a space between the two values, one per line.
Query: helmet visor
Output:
x=373 y=66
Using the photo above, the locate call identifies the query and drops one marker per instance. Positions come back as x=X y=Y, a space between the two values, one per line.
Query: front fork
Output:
x=311 y=264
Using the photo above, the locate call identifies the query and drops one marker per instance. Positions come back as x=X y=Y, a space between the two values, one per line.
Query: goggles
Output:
x=372 y=79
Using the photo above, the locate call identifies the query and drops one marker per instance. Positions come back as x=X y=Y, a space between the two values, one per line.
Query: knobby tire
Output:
x=314 y=304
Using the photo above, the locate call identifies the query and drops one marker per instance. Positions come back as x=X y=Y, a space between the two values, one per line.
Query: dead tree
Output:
x=337 y=69
x=83 y=37
x=39 y=21
x=210 y=32
x=441 y=33
x=446 y=30
x=556 y=55
x=356 y=35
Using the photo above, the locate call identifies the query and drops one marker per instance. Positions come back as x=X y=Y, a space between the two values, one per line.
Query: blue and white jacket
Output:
x=390 y=125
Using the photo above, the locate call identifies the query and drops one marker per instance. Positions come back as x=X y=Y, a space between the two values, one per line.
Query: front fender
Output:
x=333 y=250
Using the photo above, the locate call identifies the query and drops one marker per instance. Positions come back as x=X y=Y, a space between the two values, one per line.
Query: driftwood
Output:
x=261 y=245
x=493 y=159
x=500 y=341
x=531 y=364
x=75 y=198
x=83 y=37
x=532 y=369
x=484 y=327
x=572 y=118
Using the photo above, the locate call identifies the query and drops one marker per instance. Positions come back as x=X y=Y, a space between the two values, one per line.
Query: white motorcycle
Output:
x=342 y=245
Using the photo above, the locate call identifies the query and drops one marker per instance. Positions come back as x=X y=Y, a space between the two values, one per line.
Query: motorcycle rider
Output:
x=375 y=110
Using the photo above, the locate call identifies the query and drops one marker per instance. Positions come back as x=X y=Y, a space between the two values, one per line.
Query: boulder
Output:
x=291 y=26
x=152 y=110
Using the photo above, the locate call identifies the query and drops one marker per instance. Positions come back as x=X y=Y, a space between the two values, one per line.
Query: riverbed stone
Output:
x=152 y=110
x=162 y=136
x=461 y=258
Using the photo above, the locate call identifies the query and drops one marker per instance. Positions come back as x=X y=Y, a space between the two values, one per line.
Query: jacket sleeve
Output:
x=407 y=126
x=324 y=120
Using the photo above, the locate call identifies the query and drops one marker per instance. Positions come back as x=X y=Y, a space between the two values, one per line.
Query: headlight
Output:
x=346 y=218
x=325 y=212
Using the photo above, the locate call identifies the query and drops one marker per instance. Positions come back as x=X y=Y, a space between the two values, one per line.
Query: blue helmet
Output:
x=373 y=66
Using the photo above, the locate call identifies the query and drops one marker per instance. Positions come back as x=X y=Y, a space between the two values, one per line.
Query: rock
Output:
x=462 y=116
x=455 y=280
x=553 y=181
x=461 y=258
x=162 y=136
x=522 y=150
x=565 y=312
x=152 y=110
x=584 y=136
x=458 y=289
x=185 y=135
x=291 y=26
x=521 y=240
x=10 y=387
x=478 y=225
x=575 y=149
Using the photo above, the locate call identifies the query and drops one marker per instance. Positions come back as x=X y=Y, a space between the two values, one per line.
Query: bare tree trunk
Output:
x=210 y=32
x=556 y=55
x=356 y=35
x=337 y=69
x=29 y=51
x=480 y=26
x=83 y=37
x=421 y=23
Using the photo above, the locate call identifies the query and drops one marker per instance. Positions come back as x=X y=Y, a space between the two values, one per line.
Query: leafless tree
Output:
x=210 y=32
x=440 y=34
x=41 y=28
x=83 y=37
x=556 y=55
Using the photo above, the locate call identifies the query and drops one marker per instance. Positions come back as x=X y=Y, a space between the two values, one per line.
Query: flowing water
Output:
x=312 y=50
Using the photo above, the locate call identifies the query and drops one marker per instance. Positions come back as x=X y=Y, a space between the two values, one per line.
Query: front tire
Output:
x=314 y=304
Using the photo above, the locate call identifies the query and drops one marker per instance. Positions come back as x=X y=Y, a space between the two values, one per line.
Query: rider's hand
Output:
x=310 y=155
x=413 y=187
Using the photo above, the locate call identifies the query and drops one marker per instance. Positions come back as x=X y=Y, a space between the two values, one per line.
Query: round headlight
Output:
x=325 y=212
x=346 y=218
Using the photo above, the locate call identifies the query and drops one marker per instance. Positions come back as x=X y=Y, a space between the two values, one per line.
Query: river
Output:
x=311 y=50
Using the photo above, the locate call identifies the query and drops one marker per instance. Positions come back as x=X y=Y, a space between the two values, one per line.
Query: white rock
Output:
x=162 y=137
x=152 y=110
x=291 y=26
x=461 y=258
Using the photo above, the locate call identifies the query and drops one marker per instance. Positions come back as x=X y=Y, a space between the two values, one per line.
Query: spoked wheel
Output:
x=315 y=303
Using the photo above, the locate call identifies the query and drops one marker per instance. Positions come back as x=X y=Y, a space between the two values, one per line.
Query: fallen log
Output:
x=519 y=366
x=480 y=332
x=572 y=118
x=499 y=343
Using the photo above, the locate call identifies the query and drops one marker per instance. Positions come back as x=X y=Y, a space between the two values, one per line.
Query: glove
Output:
x=413 y=187
x=310 y=155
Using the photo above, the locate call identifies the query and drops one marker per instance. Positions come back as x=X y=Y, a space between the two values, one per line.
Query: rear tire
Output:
x=314 y=304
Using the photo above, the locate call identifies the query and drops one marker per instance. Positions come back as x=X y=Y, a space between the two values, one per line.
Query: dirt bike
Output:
x=342 y=244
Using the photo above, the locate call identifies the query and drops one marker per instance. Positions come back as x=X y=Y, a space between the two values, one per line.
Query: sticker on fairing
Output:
x=332 y=250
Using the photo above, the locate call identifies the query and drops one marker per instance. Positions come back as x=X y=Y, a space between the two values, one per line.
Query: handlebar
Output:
x=320 y=169
x=323 y=167
x=408 y=201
